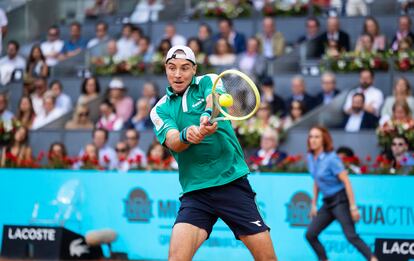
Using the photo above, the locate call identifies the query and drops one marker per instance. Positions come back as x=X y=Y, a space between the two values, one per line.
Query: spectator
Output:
x=145 y=50
x=401 y=113
x=3 y=27
x=405 y=45
x=407 y=6
x=272 y=42
x=53 y=46
x=90 y=158
x=312 y=30
x=18 y=152
x=162 y=49
x=122 y=103
x=5 y=115
x=58 y=156
x=146 y=11
x=126 y=45
x=122 y=157
x=332 y=33
x=269 y=154
x=268 y=95
x=141 y=120
x=63 y=101
x=401 y=92
x=296 y=111
x=98 y=43
x=404 y=30
x=251 y=61
x=159 y=158
x=223 y=54
x=36 y=63
x=236 y=40
x=136 y=153
x=400 y=153
x=371 y=27
x=264 y=118
x=366 y=45
x=356 y=8
x=197 y=47
x=373 y=96
x=109 y=120
x=136 y=35
x=299 y=93
x=332 y=49
x=100 y=7
x=75 y=44
x=150 y=92
x=206 y=39
x=50 y=112
x=90 y=90
x=358 y=119
x=171 y=34
x=107 y=155
x=40 y=86
x=112 y=56
x=12 y=60
x=349 y=159
x=329 y=90
x=25 y=112
x=80 y=119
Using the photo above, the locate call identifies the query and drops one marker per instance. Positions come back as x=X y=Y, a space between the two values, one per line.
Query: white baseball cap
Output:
x=116 y=83
x=187 y=55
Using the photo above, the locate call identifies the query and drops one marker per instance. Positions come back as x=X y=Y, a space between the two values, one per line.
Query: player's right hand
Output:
x=193 y=135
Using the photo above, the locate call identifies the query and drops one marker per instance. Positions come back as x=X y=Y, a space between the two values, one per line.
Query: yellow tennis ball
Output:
x=226 y=100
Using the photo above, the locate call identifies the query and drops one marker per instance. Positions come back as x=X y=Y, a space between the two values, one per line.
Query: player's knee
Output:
x=310 y=236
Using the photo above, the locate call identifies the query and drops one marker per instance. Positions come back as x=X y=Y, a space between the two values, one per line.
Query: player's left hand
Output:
x=206 y=128
x=355 y=215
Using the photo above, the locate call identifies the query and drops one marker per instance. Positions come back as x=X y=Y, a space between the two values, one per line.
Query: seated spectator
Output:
x=206 y=38
x=401 y=113
x=5 y=115
x=271 y=42
x=63 y=101
x=19 y=152
x=332 y=49
x=251 y=61
x=75 y=44
x=107 y=155
x=137 y=155
x=226 y=31
x=141 y=120
x=90 y=158
x=50 y=112
x=53 y=46
x=366 y=45
x=136 y=35
x=11 y=62
x=126 y=45
x=329 y=90
x=171 y=35
x=80 y=119
x=296 y=111
x=264 y=118
x=40 y=86
x=90 y=90
x=401 y=92
x=332 y=33
x=372 y=29
x=108 y=119
x=223 y=54
x=197 y=47
x=159 y=158
x=122 y=157
x=150 y=92
x=58 y=156
x=25 y=113
x=145 y=50
x=98 y=43
x=405 y=45
x=123 y=104
x=373 y=96
x=269 y=154
x=3 y=27
x=404 y=30
x=146 y=11
x=349 y=159
x=407 y=6
x=299 y=93
x=402 y=158
x=161 y=52
x=356 y=8
x=36 y=63
x=358 y=119
x=312 y=31
x=268 y=95
x=110 y=58
x=101 y=7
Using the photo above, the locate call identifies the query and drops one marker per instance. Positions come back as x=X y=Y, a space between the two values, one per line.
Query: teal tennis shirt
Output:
x=219 y=158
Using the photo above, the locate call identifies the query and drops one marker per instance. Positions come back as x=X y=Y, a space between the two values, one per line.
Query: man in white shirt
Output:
x=136 y=153
x=50 y=113
x=358 y=119
x=146 y=10
x=52 y=47
x=126 y=45
x=5 y=115
x=373 y=96
x=63 y=101
x=97 y=43
x=40 y=86
x=3 y=26
x=171 y=34
x=13 y=58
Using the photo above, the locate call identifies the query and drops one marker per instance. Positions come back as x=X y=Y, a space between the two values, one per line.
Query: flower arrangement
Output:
x=353 y=62
x=390 y=129
x=222 y=9
x=159 y=164
x=7 y=130
x=133 y=65
x=292 y=164
x=404 y=61
x=299 y=8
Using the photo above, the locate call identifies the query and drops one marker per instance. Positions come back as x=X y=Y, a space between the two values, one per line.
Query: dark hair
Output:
x=85 y=81
x=360 y=95
x=364 y=29
x=102 y=23
x=135 y=131
x=102 y=130
x=326 y=139
x=367 y=70
x=15 y=43
x=146 y=38
x=301 y=106
x=56 y=82
x=61 y=145
x=54 y=27
x=26 y=138
x=230 y=49
x=165 y=153
x=226 y=20
x=267 y=81
x=19 y=112
x=401 y=137
x=77 y=24
x=312 y=18
x=345 y=150
x=195 y=39
x=406 y=16
x=109 y=104
x=131 y=26
x=207 y=26
x=163 y=41
x=31 y=58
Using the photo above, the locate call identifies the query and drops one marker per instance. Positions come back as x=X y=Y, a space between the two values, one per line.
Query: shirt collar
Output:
x=172 y=94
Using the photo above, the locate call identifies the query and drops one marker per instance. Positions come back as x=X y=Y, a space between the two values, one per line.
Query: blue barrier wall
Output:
x=142 y=206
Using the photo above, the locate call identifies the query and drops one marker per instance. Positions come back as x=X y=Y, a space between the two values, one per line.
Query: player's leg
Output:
x=260 y=245
x=185 y=240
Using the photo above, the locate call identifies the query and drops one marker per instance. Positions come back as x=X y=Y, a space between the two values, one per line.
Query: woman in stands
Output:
x=223 y=54
x=36 y=63
x=58 y=156
x=296 y=111
x=331 y=179
x=401 y=91
x=371 y=28
x=18 y=153
x=109 y=120
x=80 y=119
x=401 y=113
x=25 y=114
x=90 y=90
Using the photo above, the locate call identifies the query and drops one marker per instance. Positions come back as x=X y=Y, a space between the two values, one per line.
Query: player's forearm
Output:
x=343 y=176
x=209 y=102
x=315 y=194
x=173 y=141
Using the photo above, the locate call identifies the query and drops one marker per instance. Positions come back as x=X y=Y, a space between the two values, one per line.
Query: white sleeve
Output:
x=348 y=102
x=379 y=100
x=3 y=18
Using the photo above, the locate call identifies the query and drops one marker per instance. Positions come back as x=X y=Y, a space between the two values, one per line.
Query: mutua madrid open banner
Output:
x=141 y=207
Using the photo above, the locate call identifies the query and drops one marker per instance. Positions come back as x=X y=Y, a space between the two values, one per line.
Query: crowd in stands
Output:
x=44 y=99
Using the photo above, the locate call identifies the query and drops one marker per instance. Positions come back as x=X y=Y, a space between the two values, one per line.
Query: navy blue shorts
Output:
x=234 y=203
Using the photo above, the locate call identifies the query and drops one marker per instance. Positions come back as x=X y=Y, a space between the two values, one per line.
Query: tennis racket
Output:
x=243 y=93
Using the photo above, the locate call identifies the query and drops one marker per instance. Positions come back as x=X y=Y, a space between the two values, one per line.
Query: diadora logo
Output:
x=138 y=206
x=200 y=101
x=297 y=210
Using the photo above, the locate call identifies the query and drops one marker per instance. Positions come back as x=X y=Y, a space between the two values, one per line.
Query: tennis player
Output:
x=331 y=179
x=212 y=170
